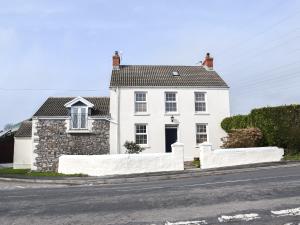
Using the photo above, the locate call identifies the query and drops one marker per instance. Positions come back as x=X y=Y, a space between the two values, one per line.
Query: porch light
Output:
x=172 y=118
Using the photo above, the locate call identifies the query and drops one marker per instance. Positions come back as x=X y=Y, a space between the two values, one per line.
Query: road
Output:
x=264 y=196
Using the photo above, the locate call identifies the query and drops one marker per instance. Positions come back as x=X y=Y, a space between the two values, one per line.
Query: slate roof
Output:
x=25 y=130
x=54 y=106
x=162 y=76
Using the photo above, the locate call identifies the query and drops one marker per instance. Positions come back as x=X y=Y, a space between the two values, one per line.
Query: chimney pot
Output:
x=208 y=62
x=116 y=61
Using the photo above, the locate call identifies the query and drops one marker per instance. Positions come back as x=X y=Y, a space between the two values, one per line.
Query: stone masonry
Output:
x=54 y=141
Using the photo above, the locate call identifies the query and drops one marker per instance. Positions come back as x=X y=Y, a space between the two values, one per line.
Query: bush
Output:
x=279 y=125
x=243 y=138
x=235 y=122
x=133 y=148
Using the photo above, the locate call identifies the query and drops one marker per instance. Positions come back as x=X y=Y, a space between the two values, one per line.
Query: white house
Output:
x=155 y=105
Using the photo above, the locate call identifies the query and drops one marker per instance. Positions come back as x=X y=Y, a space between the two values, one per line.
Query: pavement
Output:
x=258 y=196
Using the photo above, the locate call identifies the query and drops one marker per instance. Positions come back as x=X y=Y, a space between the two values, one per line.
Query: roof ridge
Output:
x=77 y=96
x=162 y=65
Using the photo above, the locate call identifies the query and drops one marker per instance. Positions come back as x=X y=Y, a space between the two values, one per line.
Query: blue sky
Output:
x=64 y=47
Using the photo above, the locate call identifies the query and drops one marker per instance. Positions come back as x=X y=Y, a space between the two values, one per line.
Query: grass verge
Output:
x=27 y=172
x=292 y=157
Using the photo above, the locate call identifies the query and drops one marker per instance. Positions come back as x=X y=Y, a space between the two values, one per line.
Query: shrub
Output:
x=243 y=138
x=133 y=148
x=235 y=122
x=279 y=125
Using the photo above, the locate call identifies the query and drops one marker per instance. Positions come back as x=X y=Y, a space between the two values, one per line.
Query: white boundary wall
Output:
x=103 y=165
x=22 y=153
x=237 y=156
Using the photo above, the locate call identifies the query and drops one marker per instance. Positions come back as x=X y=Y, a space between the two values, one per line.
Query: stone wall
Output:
x=53 y=141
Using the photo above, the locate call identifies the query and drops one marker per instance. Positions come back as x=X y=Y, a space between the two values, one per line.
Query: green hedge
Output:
x=280 y=125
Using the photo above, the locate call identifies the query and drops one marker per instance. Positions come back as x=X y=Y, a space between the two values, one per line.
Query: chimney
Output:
x=116 y=60
x=208 y=62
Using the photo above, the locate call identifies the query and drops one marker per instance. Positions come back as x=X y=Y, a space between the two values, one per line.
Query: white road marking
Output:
x=239 y=217
x=187 y=223
x=136 y=188
x=20 y=186
x=287 y=212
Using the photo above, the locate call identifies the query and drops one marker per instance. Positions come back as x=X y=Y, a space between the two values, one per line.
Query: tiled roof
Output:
x=25 y=129
x=162 y=76
x=54 y=106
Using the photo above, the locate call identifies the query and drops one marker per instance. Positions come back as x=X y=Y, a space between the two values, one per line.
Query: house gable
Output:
x=79 y=101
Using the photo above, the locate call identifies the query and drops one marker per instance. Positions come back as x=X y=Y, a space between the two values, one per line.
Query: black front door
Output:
x=171 y=138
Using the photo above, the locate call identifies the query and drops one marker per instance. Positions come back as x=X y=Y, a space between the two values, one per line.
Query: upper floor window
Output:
x=140 y=102
x=79 y=117
x=170 y=102
x=201 y=133
x=200 y=102
x=141 y=134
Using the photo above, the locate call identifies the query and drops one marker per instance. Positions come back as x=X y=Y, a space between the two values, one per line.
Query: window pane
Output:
x=83 y=121
x=74 y=120
x=140 y=129
x=140 y=96
x=199 y=96
x=170 y=96
x=74 y=110
x=200 y=106
x=141 y=107
x=201 y=138
x=201 y=128
x=141 y=139
x=171 y=107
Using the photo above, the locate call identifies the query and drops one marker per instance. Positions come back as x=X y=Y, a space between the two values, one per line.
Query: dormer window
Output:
x=79 y=111
x=79 y=117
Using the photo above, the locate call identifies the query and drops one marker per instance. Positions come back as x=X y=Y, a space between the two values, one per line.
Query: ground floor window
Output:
x=141 y=134
x=201 y=133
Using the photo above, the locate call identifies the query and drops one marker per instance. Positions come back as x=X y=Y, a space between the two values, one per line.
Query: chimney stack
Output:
x=116 y=60
x=208 y=62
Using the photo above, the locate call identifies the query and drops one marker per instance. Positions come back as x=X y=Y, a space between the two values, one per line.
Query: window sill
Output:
x=81 y=131
x=202 y=113
x=142 y=114
x=172 y=114
x=144 y=146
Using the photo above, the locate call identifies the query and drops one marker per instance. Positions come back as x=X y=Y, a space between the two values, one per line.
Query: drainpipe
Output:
x=119 y=123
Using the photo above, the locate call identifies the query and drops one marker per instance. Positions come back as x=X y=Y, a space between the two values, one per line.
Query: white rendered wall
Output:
x=156 y=118
x=22 y=153
x=237 y=156
x=103 y=165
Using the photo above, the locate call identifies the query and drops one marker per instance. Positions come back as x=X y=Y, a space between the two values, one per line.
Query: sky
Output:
x=64 y=47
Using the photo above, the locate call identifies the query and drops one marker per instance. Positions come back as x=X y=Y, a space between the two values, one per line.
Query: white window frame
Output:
x=79 y=118
x=171 y=101
x=136 y=102
x=135 y=133
x=201 y=133
x=200 y=101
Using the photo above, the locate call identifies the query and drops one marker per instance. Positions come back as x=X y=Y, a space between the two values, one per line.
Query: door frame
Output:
x=171 y=126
